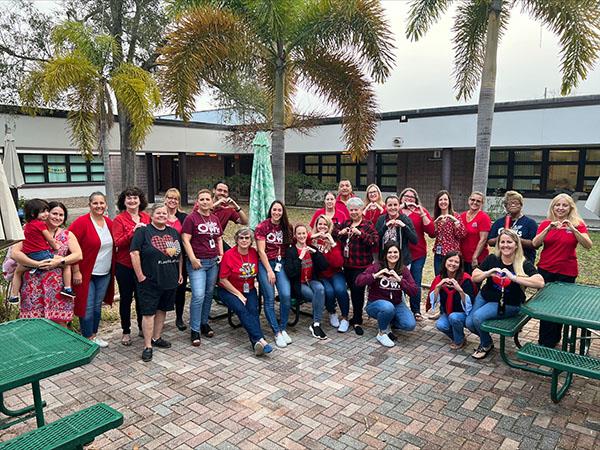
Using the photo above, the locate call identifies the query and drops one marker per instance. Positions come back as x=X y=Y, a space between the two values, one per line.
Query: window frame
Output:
x=68 y=163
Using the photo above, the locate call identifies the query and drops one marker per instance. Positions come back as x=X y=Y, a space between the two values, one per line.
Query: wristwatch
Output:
x=63 y=261
x=239 y=209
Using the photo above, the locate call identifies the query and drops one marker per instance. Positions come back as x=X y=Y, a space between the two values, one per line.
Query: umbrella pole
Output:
x=15 y=195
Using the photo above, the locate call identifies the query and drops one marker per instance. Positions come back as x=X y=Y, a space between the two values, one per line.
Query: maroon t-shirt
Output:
x=273 y=236
x=204 y=231
x=226 y=214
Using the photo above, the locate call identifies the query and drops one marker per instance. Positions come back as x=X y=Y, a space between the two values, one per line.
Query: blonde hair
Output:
x=512 y=195
x=519 y=257
x=573 y=216
x=327 y=220
x=175 y=193
x=379 y=200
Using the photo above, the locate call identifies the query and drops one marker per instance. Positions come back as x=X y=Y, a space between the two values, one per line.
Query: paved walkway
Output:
x=346 y=392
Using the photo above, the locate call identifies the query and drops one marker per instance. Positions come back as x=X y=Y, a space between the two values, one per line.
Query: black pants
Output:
x=180 y=296
x=550 y=332
x=127 y=290
x=357 y=295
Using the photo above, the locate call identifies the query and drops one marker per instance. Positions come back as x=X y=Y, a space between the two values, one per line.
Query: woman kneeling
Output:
x=454 y=290
x=237 y=276
x=506 y=273
x=388 y=280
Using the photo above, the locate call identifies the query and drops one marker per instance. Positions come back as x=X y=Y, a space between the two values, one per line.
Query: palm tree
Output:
x=257 y=53
x=478 y=27
x=80 y=74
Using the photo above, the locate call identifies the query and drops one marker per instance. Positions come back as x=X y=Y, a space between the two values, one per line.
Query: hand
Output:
x=180 y=279
x=310 y=249
x=330 y=238
x=139 y=225
x=317 y=235
x=440 y=218
x=196 y=264
x=142 y=278
x=474 y=263
x=344 y=231
x=220 y=201
x=452 y=282
x=356 y=231
x=555 y=224
x=272 y=277
x=567 y=224
x=77 y=278
x=395 y=275
x=303 y=252
x=381 y=273
x=507 y=273
x=50 y=264
x=241 y=297
x=219 y=258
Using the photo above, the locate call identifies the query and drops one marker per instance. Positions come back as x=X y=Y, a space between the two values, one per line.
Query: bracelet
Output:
x=238 y=210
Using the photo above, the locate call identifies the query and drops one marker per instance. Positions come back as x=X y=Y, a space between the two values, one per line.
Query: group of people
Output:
x=352 y=250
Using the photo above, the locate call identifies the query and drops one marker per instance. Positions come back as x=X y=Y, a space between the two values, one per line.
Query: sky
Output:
x=528 y=66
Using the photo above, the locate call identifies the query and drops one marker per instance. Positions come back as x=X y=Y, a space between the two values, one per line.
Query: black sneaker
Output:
x=392 y=337
x=67 y=292
x=317 y=331
x=147 y=355
x=195 y=338
x=481 y=352
x=359 y=330
x=13 y=300
x=180 y=325
x=207 y=331
x=161 y=343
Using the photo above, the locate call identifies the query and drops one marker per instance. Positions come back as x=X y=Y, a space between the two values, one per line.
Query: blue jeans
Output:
x=96 y=293
x=336 y=288
x=248 y=313
x=453 y=326
x=203 y=283
x=483 y=311
x=437 y=263
x=385 y=312
x=314 y=292
x=268 y=292
x=416 y=270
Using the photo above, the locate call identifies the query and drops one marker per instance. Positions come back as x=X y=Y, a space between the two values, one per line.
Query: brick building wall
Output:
x=140 y=176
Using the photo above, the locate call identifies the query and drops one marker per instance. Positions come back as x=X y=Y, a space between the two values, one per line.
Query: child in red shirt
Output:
x=38 y=245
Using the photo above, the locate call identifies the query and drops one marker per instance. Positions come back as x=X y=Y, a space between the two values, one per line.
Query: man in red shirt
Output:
x=226 y=209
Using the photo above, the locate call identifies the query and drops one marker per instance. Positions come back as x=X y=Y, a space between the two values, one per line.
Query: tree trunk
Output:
x=278 y=135
x=108 y=185
x=487 y=97
x=128 y=160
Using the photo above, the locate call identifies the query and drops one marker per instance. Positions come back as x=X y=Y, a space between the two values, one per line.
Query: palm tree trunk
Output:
x=128 y=160
x=278 y=137
x=487 y=97
x=105 y=122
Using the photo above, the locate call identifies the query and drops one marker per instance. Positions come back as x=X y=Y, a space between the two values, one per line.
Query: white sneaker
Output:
x=288 y=339
x=385 y=340
x=280 y=341
x=100 y=342
x=344 y=325
x=333 y=320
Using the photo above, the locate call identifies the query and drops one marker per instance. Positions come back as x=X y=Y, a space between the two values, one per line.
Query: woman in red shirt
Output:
x=560 y=234
x=237 y=281
x=423 y=223
x=374 y=204
x=449 y=230
x=132 y=203
x=332 y=277
x=358 y=239
x=330 y=210
x=477 y=226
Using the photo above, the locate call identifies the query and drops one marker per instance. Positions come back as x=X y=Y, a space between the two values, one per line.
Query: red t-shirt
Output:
x=559 y=254
x=273 y=236
x=34 y=239
x=239 y=269
x=204 y=231
x=123 y=231
x=175 y=224
x=306 y=270
x=481 y=222
x=373 y=214
x=226 y=214
x=419 y=250
x=341 y=206
x=338 y=216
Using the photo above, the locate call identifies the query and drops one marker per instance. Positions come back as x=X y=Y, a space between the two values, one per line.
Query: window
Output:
x=60 y=169
x=387 y=170
x=331 y=168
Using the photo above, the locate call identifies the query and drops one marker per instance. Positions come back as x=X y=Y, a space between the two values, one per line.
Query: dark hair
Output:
x=392 y=197
x=96 y=194
x=60 y=205
x=436 y=208
x=286 y=229
x=132 y=191
x=33 y=208
x=220 y=182
x=459 y=272
x=383 y=259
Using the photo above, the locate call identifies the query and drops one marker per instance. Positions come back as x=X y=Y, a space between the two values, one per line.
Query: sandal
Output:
x=126 y=340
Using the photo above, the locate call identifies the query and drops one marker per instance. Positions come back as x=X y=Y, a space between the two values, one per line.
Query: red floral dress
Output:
x=40 y=293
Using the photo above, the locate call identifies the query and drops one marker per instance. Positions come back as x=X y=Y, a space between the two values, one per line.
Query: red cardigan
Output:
x=122 y=232
x=89 y=241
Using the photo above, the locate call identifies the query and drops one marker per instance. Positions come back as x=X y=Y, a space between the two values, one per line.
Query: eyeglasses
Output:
x=475 y=200
x=171 y=198
x=513 y=203
x=244 y=238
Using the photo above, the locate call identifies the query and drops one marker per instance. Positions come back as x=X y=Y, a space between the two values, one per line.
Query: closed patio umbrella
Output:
x=262 y=187
x=10 y=226
x=593 y=201
x=12 y=168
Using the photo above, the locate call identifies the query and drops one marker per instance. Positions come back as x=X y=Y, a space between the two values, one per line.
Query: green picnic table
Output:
x=576 y=307
x=34 y=349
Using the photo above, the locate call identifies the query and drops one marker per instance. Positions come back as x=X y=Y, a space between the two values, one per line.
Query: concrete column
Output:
x=183 y=187
x=446 y=168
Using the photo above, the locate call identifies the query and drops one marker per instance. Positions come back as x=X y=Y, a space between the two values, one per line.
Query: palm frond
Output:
x=83 y=120
x=577 y=24
x=72 y=71
x=422 y=14
x=202 y=38
x=138 y=93
x=30 y=92
x=348 y=25
x=338 y=79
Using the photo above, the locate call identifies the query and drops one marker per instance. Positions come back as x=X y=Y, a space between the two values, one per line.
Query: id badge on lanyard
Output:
x=277 y=267
x=211 y=243
x=246 y=287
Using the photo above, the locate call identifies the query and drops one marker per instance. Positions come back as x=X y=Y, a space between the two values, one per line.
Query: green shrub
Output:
x=495 y=208
x=306 y=190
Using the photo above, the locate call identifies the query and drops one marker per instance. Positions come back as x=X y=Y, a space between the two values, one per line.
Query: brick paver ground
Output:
x=346 y=392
